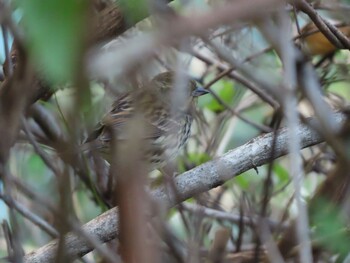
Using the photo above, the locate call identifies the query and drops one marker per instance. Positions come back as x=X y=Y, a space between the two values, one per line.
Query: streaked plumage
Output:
x=167 y=129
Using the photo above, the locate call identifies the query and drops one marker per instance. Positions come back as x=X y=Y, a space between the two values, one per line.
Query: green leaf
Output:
x=194 y=159
x=35 y=166
x=330 y=226
x=242 y=181
x=56 y=30
x=341 y=89
x=198 y=158
x=135 y=10
x=224 y=90
x=281 y=173
x=36 y=172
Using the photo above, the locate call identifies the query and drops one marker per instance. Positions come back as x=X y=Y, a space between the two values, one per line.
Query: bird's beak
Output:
x=199 y=91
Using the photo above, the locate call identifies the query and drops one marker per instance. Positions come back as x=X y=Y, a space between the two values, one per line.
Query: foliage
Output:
x=252 y=71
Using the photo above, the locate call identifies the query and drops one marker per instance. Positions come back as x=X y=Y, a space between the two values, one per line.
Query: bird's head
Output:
x=166 y=82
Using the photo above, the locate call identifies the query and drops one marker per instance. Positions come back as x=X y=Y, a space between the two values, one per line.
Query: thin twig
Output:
x=333 y=34
x=40 y=222
x=216 y=214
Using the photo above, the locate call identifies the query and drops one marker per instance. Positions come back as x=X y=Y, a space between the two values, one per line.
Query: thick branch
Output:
x=198 y=180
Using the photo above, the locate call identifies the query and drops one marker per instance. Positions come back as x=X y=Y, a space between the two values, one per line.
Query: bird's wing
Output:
x=122 y=111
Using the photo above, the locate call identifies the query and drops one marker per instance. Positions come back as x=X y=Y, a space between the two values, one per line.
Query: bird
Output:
x=313 y=42
x=168 y=126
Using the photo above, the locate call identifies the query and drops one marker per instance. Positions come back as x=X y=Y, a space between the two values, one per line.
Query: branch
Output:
x=331 y=32
x=198 y=180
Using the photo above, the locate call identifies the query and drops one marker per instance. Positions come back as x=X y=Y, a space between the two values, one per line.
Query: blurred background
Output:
x=266 y=64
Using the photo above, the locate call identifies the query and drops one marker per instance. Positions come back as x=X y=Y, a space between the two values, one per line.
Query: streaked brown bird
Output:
x=168 y=126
